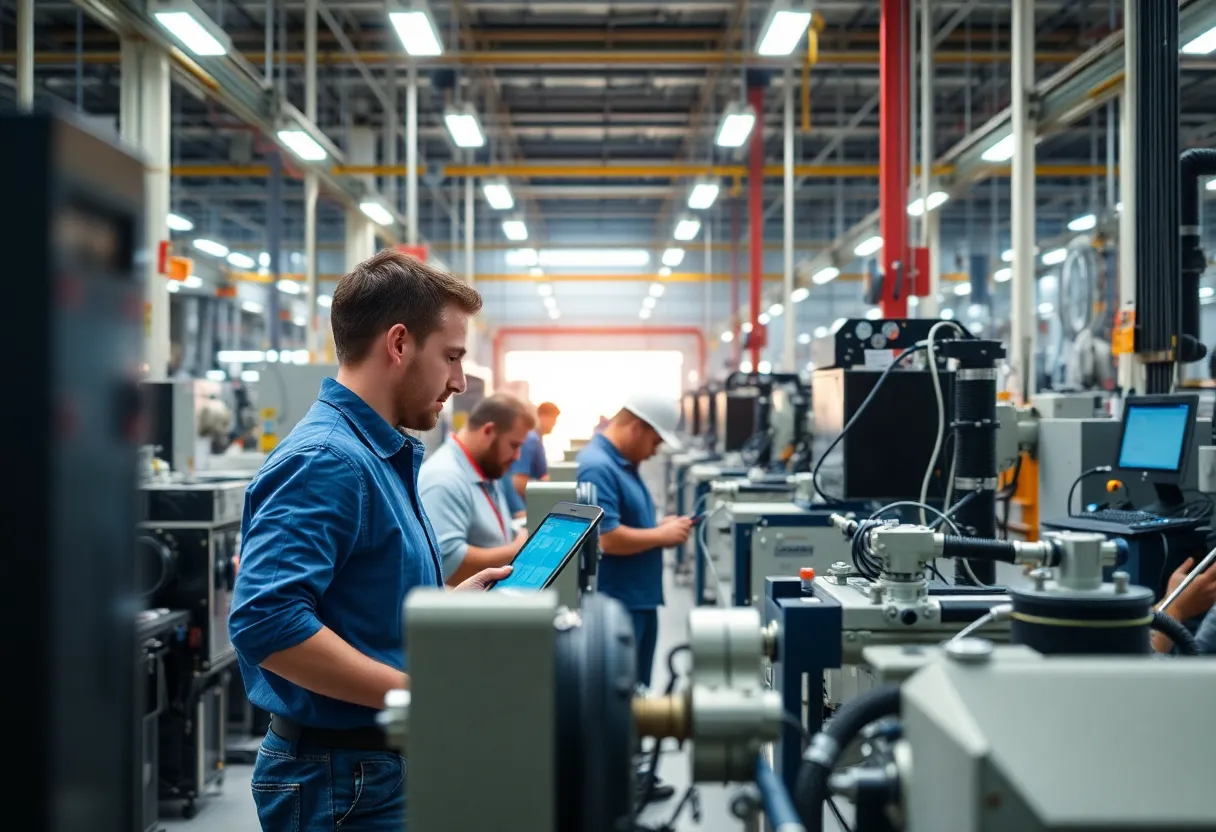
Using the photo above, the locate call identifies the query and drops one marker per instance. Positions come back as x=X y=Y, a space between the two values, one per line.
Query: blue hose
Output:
x=778 y=806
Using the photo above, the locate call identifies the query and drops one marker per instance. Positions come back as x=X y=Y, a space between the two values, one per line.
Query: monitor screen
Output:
x=1153 y=437
x=544 y=552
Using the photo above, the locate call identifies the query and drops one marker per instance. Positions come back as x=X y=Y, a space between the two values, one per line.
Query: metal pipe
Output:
x=930 y=224
x=312 y=189
x=274 y=246
x=411 y=155
x=1130 y=372
x=1023 y=315
x=25 y=54
x=755 y=212
x=470 y=274
x=893 y=169
x=787 y=352
x=268 y=40
x=706 y=288
x=736 y=348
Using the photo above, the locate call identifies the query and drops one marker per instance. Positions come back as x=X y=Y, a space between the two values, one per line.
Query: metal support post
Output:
x=930 y=223
x=707 y=286
x=893 y=165
x=274 y=244
x=311 y=184
x=755 y=212
x=788 y=359
x=470 y=271
x=411 y=155
x=145 y=118
x=25 y=54
x=1023 y=315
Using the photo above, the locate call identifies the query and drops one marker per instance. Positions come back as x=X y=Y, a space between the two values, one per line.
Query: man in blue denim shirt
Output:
x=333 y=539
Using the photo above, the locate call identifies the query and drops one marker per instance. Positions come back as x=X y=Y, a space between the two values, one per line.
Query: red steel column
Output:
x=755 y=213
x=893 y=152
x=736 y=350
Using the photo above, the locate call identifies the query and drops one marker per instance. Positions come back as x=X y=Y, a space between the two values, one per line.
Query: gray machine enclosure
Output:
x=1024 y=743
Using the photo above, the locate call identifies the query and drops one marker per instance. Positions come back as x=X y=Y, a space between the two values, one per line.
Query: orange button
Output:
x=806 y=573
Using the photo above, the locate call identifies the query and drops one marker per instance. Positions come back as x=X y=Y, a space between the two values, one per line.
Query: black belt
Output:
x=370 y=738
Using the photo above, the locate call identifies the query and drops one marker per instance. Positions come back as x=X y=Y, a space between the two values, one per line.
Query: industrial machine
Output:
x=189 y=543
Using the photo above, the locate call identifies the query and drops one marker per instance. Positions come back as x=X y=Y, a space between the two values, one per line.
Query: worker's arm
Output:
x=624 y=541
x=304 y=518
x=477 y=558
x=620 y=540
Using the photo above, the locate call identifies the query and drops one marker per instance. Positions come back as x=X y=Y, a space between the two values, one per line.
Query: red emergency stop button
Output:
x=806 y=573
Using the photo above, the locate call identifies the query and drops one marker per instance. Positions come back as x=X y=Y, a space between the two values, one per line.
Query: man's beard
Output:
x=492 y=469
x=415 y=415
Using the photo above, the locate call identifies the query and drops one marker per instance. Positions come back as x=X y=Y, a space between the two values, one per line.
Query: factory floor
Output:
x=230 y=809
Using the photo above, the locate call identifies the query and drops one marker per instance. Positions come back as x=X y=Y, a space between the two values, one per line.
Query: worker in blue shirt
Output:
x=632 y=539
x=532 y=464
x=333 y=539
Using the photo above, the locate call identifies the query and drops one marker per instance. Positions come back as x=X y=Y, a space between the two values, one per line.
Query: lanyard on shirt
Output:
x=485 y=487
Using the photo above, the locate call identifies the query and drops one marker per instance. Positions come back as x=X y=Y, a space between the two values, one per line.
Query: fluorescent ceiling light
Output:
x=644 y=313
x=549 y=301
x=936 y=200
x=536 y=271
x=172 y=287
x=241 y=261
x=821 y=331
x=687 y=228
x=1055 y=257
x=325 y=301
x=1007 y=255
x=673 y=257
x=464 y=126
x=1206 y=291
x=703 y=195
x=544 y=290
x=252 y=308
x=177 y=222
x=556 y=258
x=727 y=336
x=763 y=318
x=1202 y=45
x=1003 y=275
x=498 y=195
x=417 y=31
x=303 y=145
x=522 y=258
x=874 y=313
x=1002 y=151
x=1083 y=223
x=1046 y=309
x=736 y=125
x=776 y=310
x=765 y=366
x=665 y=271
x=784 y=29
x=867 y=247
x=264 y=260
x=240 y=356
x=657 y=290
x=800 y=294
x=193 y=281
x=826 y=275
x=193 y=28
x=211 y=247
x=961 y=289
x=554 y=314
x=290 y=287
x=215 y=375
x=515 y=230
x=804 y=338
x=648 y=302
x=376 y=212
x=300 y=320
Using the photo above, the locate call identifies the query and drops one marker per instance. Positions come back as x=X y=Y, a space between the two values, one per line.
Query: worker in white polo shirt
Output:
x=463 y=488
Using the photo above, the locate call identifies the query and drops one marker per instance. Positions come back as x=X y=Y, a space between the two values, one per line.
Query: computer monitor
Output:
x=1156 y=442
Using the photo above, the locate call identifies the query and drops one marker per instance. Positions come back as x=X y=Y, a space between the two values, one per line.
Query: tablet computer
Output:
x=551 y=546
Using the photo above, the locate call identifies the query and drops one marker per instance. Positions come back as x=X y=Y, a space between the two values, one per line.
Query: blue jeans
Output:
x=299 y=788
x=646 y=637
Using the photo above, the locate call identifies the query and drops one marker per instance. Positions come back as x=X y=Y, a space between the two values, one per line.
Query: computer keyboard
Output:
x=1134 y=519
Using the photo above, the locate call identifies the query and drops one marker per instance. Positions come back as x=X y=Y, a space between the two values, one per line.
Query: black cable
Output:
x=811 y=787
x=840 y=821
x=815 y=472
x=1100 y=469
x=1175 y=631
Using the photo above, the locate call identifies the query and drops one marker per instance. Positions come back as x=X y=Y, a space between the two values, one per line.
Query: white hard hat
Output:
x=661 y=413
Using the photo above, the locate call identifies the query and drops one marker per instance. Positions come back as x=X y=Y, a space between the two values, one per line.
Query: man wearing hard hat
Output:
x=631 y=537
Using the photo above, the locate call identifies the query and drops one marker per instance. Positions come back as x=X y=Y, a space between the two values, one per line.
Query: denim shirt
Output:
x=333 y=534
x=634 y=580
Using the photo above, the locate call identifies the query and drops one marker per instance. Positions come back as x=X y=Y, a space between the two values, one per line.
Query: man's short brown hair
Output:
x=501 y=410
x=389 y=289
x=548 y=409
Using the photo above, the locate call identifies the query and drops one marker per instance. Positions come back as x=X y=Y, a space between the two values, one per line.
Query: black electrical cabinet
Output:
x=885 y=454
x=70 y=332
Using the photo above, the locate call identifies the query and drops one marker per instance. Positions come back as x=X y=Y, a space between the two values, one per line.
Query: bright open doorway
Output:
x=587 y=384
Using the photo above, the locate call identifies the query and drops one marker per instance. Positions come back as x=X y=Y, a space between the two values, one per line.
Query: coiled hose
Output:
x=811 y=788
x=1175 y=631
x=954 y=546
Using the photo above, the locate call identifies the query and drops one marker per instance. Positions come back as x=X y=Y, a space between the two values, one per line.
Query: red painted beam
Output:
x=755 y=213
x=893 y=161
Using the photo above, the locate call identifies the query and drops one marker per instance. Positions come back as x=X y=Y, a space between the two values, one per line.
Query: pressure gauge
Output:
x=879 y=341
x=890 y=330
x=864 y=330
